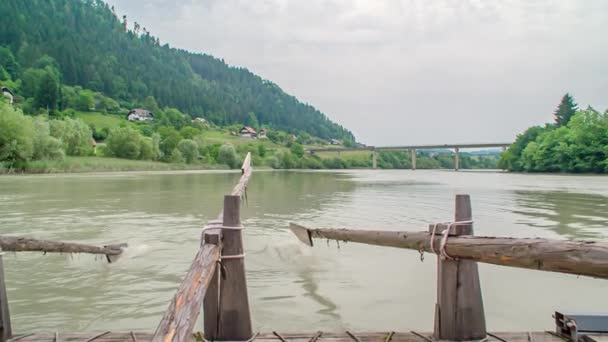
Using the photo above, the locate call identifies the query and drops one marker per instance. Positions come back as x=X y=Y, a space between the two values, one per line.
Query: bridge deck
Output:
x=296 y=337
x=409 y=147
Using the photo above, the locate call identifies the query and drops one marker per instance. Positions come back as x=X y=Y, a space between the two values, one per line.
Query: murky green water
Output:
x=292 y=287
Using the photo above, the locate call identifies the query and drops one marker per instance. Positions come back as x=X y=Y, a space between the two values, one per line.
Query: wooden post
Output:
x=413 y=152
x=456 y=159
x=459 y=314
x=233 y=319
x=5 y=317
x=374 y=159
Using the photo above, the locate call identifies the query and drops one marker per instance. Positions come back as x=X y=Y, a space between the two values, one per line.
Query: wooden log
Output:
x=5 y=318
x=246 y=170
x=24 y=244
x=587 y=258
x=200 y=286
x=233 y=312
x=180 y=318
x=459 y=314
x=246 y=163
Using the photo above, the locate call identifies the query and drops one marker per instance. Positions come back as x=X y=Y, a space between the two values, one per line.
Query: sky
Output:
x=399 y=72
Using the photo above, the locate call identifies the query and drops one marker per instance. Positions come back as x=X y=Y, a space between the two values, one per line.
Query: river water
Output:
x=291 y=287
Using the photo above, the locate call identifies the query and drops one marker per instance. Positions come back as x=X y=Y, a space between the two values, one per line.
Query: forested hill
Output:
x=101 y=50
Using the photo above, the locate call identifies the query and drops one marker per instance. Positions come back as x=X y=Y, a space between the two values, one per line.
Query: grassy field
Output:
x=100 y=120
x=103 y=164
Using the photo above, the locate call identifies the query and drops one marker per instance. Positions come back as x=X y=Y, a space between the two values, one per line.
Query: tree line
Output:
x=577 y=141
x=91 y=47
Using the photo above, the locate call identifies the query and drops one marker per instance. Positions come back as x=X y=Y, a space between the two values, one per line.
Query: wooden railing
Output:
x=216 y=280
x=459 y=312
x=222 y=291
x=27 y=244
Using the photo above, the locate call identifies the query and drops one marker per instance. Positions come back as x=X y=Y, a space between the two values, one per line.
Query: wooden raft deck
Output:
x=111 y=336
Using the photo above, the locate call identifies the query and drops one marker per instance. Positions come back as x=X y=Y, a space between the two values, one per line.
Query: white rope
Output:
x=239 y=227
x=235 y=256
x=444 y=240
x=433 y=235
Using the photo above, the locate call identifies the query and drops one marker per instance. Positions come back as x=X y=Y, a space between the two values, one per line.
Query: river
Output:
x=291 y=287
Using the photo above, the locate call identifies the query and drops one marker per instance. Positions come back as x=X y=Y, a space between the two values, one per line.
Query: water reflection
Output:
x=572 y=215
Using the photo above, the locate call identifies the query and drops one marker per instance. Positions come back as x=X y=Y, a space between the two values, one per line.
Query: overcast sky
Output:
x=405 y=71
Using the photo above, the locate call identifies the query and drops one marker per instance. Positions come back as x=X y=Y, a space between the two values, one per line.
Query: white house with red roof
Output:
x=248 y=132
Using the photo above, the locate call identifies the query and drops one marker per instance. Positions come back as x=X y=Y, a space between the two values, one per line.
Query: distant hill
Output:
x=96 y=49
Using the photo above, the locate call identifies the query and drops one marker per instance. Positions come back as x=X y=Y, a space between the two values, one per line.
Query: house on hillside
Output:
x=248 y=132
x=8 y=93
x=139 y=114
x=262 y=134
x=199 y=121
x=335 y=142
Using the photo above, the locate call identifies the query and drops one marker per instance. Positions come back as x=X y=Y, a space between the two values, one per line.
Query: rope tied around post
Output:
x=226 y=257
x=444 y=240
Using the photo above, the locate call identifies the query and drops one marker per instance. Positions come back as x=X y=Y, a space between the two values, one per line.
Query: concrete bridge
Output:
x=412 y=150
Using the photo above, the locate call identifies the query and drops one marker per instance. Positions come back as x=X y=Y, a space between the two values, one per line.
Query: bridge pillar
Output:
x=374 y=159
x=456 y=159
x=413 y=153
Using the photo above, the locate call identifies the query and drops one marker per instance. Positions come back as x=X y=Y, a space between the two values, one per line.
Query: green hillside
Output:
x=93 y=48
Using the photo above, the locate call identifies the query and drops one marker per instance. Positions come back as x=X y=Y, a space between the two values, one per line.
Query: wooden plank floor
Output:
x=266 y=337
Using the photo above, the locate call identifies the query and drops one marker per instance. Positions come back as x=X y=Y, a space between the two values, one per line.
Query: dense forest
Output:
x=49 y=43
x=577 y=141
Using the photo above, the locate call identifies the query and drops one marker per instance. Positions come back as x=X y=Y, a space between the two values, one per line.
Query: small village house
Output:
x=139 y=114
x=335 y=142
x=8 y=93
x=262 y=134
x=199 y=121
x=248 y=132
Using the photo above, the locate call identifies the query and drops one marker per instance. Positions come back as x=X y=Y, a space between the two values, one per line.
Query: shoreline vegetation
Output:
x=576 y=142
x=67 y=105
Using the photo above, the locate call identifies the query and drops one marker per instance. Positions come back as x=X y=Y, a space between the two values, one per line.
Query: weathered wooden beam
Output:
x=587 y=258
x=200 y=285
x=246 y=170
x=6 y=331
x=459 y=314
x=229 y=319
x=184 y=309
x=24 y=244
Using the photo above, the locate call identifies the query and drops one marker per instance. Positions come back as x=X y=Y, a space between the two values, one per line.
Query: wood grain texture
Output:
x=246 y=170
x=179 y=319
x=5 y=317
x=25 y=244
x=200 y=285
x=587 y=258
x=459 y=312
x=234 y=314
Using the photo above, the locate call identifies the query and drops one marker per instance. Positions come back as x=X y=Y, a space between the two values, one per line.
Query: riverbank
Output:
x=71 y=164
x=102 y=164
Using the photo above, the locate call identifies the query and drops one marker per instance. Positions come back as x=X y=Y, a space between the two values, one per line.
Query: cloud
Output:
x=405 y=71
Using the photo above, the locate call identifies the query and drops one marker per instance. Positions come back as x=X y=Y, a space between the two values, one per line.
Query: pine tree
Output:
x=566 y=109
